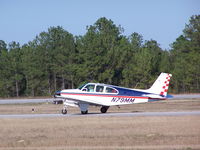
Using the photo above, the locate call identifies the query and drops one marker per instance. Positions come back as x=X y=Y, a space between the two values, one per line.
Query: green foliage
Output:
x=56 y=59
x=185 y=58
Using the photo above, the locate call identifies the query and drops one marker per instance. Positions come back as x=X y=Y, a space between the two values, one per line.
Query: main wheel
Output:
x=84 y=112
x=64 y=111
x=104 y=109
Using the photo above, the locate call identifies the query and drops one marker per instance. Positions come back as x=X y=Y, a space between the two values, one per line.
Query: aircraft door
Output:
x=99 y=88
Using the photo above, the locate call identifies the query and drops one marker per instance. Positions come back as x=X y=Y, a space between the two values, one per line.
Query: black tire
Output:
x=84 y=112
x=104 y=109
x=64 y=111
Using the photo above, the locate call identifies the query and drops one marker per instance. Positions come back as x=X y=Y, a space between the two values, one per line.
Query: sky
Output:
x=160 y=20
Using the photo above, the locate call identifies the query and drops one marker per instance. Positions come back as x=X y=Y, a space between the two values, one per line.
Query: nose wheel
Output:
x=64 y=111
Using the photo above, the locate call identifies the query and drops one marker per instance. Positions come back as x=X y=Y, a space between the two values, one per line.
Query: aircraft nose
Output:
x=57 y=93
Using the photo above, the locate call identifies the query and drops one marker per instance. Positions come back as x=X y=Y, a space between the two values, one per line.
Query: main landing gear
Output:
x=84 y=109
x=104 y=109
x=84 y=112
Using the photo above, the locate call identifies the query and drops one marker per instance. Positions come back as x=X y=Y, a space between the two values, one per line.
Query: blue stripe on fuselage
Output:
x=129 y=92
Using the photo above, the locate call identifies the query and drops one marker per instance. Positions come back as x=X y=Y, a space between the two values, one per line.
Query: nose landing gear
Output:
x=64 y=111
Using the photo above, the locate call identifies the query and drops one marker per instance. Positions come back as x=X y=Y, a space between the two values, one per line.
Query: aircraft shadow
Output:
x=107 y=113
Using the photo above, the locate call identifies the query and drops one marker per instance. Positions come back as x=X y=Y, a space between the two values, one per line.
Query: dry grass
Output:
x=122 y=132
x=175 y=132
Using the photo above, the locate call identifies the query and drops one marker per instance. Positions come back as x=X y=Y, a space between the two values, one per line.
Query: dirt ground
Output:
x=141 y=133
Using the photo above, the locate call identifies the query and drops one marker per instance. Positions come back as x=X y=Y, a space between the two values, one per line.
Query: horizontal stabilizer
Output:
x=154 y=96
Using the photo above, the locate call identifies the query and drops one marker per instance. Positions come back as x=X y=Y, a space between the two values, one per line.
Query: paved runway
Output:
x=24 y=101
x=186 y=96
x=135 y=114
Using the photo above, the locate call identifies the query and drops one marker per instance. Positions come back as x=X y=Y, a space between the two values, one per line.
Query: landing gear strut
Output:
x=104 y=109
x=84 y=108
x=64 y=111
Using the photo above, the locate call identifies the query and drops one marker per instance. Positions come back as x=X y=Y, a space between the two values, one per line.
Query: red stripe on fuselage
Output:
x=102 y=95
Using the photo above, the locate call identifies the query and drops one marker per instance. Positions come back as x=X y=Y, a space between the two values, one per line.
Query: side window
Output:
x=99 y=88
x=110 y=90
x=89 y=88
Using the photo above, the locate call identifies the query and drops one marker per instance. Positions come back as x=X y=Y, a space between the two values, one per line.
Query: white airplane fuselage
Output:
x=109 y=95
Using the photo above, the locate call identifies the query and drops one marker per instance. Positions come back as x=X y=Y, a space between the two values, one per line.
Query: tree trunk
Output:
x=72 y=82
x=32 y=91
x=55 y=82
x=49 y=85
x=63 y=82
x=27 y=85
x=17 y=88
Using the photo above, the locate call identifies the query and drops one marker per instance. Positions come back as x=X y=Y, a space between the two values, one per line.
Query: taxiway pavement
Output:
x=24 y=101
x=135 y=114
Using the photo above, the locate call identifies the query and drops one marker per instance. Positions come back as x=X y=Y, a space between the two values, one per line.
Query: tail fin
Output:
x=161 y=85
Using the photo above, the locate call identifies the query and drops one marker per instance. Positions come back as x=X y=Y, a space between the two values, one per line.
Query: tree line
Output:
x=56 y=59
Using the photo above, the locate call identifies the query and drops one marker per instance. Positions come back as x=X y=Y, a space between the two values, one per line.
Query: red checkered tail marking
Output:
x=161 y=85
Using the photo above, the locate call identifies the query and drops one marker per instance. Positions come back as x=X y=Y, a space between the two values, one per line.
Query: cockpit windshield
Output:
x=80 y=87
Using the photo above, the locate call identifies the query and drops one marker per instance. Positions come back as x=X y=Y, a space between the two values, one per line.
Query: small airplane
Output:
x=105 y=95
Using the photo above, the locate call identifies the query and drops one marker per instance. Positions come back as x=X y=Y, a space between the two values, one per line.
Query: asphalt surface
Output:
x=183 y=113
x=24 y=101
x=186 y=96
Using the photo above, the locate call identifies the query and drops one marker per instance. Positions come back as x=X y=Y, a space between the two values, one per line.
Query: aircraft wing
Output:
x=76 y=102
x=155 y=96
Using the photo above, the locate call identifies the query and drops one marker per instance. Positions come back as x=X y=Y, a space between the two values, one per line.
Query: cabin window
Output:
x=110 y=90
x=89 y=88
x=99 y=88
